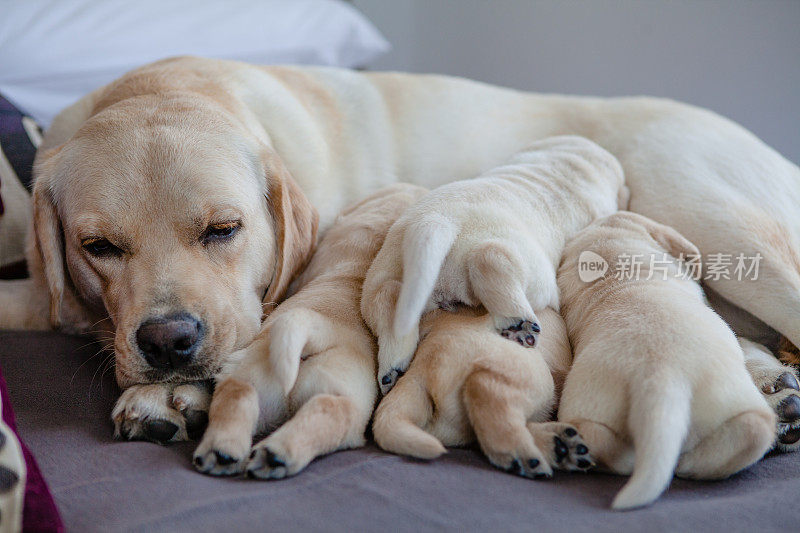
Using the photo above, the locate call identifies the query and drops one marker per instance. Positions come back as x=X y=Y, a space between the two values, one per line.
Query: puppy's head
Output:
x=165 y=215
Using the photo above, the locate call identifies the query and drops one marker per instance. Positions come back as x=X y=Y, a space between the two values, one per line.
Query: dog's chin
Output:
x=187 y=374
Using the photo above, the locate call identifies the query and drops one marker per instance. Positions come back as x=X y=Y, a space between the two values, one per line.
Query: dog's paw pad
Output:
x=782 y=393
x=388 y=380
x=266 y=464
x=563 y=446
x=524 y=332
x=531 y=468
x=217 y=462
x=786 y=380
x=571 y=452
x=159 y=431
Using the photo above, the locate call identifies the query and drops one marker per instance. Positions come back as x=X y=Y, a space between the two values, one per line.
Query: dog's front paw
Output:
x=162 y=412
x=530 y=463
x=388 y=379
x=782 y=393
x=562 y=445
x=222 y=454
x=270 y=459
x=525 y=332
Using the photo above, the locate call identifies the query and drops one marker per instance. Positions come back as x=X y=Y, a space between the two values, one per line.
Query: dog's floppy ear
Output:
x=46 y=250
x=668 y=238
x=296 y=223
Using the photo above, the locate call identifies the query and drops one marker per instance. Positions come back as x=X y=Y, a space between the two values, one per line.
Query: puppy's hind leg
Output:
x=500 y=398
x=498 y=280
x=394 y=353
x=733 y=446
x=400 y=417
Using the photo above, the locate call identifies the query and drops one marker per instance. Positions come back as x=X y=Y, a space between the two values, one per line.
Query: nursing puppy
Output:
x=331 y=394
x=170 y=200
x=658 y=384
x=495 y=241
x=466 y=382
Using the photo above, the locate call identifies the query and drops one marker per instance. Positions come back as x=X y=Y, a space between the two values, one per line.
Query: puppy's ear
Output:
x=296 y=223
x=668 y=238
x=46 y=250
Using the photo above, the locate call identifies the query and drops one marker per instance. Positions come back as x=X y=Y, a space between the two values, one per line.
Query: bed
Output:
x=63 y=398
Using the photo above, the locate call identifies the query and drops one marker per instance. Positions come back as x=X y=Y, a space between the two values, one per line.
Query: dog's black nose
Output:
x=170 y=341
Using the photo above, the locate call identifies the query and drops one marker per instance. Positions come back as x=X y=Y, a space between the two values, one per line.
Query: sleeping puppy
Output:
x=494 y=240
x=466 y=382
x=658 y=384
x=181 y=197
x=331 y=394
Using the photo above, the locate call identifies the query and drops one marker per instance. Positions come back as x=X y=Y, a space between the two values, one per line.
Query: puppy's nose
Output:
x=169 y=342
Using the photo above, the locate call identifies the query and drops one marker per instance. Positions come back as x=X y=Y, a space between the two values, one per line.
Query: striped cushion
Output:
x=19 y=137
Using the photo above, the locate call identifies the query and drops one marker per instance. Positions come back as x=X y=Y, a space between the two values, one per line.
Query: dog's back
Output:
x=676 y=385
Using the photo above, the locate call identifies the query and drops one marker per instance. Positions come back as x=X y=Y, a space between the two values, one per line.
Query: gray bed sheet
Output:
x=63 y=402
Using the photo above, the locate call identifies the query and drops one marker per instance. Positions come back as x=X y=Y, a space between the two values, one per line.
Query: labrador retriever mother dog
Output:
x=173 y=207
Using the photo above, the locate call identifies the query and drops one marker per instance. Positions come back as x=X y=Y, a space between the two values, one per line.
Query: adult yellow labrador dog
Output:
x=173 y=207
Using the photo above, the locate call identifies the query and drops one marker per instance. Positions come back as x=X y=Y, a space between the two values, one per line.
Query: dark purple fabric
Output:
x=40 y=512
x=15 y=142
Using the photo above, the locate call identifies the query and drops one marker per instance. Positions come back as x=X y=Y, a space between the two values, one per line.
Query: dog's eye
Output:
x=99 y=247
x=219 y=232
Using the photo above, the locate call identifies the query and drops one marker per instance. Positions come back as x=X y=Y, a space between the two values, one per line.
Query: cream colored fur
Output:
x=495 y=240
x=313 y=363
x=658 y=383
x=161 y=146
x=468 y=383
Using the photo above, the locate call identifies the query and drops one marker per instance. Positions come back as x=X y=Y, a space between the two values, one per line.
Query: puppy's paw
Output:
x=388 y=379
x=525 y=332
x=530 y=463
x=161 y=412
x=270 y=460
x=782 y=392
x=222 y=454
x=562 y=445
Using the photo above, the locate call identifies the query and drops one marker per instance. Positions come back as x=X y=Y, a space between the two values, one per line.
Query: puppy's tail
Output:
x=398 y=421
x=425 y=247
x=295 y=333
x=659 y=421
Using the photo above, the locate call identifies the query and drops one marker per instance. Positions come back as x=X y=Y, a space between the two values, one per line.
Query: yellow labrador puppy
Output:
x=172 y=203
x=331 y=394
x=468 y=383
x=658 y=383
x=495 y=241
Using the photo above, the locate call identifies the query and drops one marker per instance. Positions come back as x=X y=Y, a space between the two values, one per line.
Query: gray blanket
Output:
x=63 y=401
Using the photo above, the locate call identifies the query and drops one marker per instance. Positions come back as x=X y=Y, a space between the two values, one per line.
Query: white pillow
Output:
x=52 y=52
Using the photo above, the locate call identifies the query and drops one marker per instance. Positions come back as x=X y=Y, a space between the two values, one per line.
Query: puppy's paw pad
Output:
x=266 y=464
x=388 y=380
x=524 y=332
x=218 y=463
x=531 y=467
x=566 y=448
x=782 y=392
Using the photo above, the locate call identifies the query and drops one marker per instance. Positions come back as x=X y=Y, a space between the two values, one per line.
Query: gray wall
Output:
x=740 y=58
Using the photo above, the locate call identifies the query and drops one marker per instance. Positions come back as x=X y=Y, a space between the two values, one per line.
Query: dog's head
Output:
x=165 y=215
